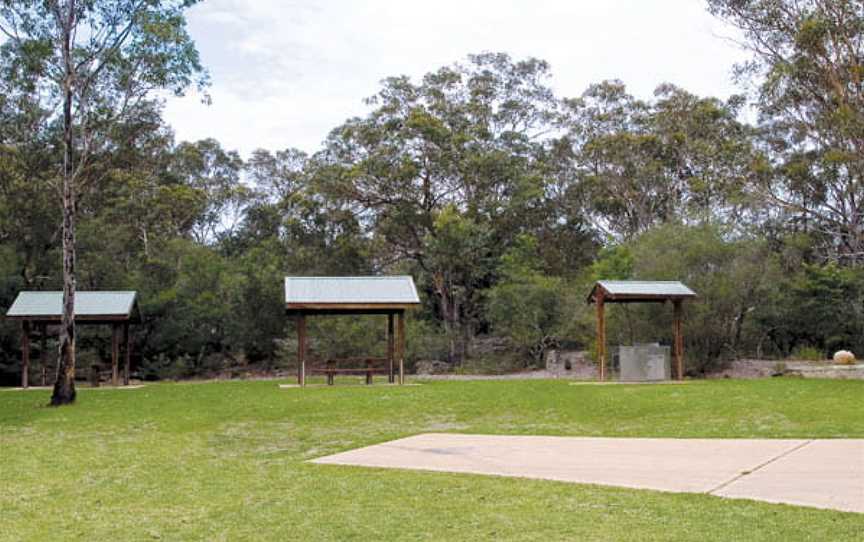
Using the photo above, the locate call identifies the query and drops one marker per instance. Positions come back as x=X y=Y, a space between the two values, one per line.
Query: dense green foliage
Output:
x=504 y=201
x=226 y=461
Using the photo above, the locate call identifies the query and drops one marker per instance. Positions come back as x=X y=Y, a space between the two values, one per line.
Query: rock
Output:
x=484 y=346
x=570 y=363
x=844 y=357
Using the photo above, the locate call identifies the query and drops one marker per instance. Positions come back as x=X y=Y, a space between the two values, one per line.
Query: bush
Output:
x=162 y=367
x=424 y=341
x=807 y=353
x=529 y=312
x=820 y=306
x=527 y=306
x=731 y=276
x=502 y=363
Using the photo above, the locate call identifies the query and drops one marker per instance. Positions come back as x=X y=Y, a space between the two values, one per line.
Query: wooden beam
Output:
x=115 y=355
x=341 y=311
x=601 y=334
x=400 y=345
x=390 y=349
x=678 y=339
x=25 y=354
x=301 y=350
x=350 y=306
x=127 y=354
x=643 y=298
x=79 y=319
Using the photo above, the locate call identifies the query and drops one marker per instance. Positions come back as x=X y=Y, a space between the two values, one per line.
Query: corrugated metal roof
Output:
x=348 y=290
x=646 y=287
x=50 y=304
x=672 y=288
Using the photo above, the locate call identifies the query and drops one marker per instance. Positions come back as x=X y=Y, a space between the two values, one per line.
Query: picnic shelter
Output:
x=641 y=291
x=42 y=311
x=389 y=296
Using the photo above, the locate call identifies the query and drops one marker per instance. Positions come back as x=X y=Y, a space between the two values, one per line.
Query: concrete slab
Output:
x=823 y=473
x=698 y=465
x=715 y=466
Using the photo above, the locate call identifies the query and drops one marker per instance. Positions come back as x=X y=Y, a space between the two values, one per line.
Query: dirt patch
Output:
x=761 y=368
x=750 y=368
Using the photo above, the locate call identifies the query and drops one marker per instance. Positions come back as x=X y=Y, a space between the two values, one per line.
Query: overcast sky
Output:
x=285 y=72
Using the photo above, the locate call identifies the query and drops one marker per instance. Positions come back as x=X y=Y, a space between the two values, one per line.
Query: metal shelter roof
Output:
x=348 y=292
x=88 y=306
x=641 y=290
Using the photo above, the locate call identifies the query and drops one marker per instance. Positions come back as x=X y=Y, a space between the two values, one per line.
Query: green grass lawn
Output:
x=226 y=461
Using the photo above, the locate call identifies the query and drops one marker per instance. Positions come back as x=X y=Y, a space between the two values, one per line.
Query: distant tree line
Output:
x=502 y=199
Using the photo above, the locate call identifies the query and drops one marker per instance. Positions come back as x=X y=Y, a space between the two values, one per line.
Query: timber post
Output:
x=678 y=339
x=115 y=355
x=390 y=349
x=301 y=350
x=25 y=354
x=400 y=345
x=127 y=355
x=601 y=335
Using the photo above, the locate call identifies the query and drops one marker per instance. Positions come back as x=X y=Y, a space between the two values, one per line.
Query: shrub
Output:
x=807 y=353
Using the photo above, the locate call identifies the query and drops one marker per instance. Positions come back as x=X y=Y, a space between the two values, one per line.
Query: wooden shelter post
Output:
x=43 y=352
x=301 y=350
x=127 y=354
x=390 y=349
x=115 y=355
x=400 y=345
x=601 y=335
x=25 y=354
x=678 y=339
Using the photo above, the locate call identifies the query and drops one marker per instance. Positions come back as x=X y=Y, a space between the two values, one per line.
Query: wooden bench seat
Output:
x=359 y=366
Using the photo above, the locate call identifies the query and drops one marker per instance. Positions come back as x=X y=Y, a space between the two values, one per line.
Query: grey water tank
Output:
x=645 y=363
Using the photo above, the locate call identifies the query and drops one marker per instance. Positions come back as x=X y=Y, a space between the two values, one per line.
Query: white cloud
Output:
x=285 y=73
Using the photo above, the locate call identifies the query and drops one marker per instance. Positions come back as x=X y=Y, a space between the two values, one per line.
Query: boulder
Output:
x=844 y=357
x=572 y=363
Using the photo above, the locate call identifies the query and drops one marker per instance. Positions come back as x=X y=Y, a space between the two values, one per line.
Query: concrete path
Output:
x=818 y=473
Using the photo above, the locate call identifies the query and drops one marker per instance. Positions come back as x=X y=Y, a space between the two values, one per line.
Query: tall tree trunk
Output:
x=448 y=311
x=449 y=327
x=64 y=386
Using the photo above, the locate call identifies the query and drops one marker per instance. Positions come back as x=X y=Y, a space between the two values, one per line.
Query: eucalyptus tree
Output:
x=640 y=163
x=90 y=65
x=459 y=151
x=808 y=67
x=214 y=174
x=617 y=162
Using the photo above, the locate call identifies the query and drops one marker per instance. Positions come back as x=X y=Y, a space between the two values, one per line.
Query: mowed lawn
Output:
x=227 y=461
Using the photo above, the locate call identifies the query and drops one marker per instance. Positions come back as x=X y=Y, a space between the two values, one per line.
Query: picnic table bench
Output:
x=355 y=366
